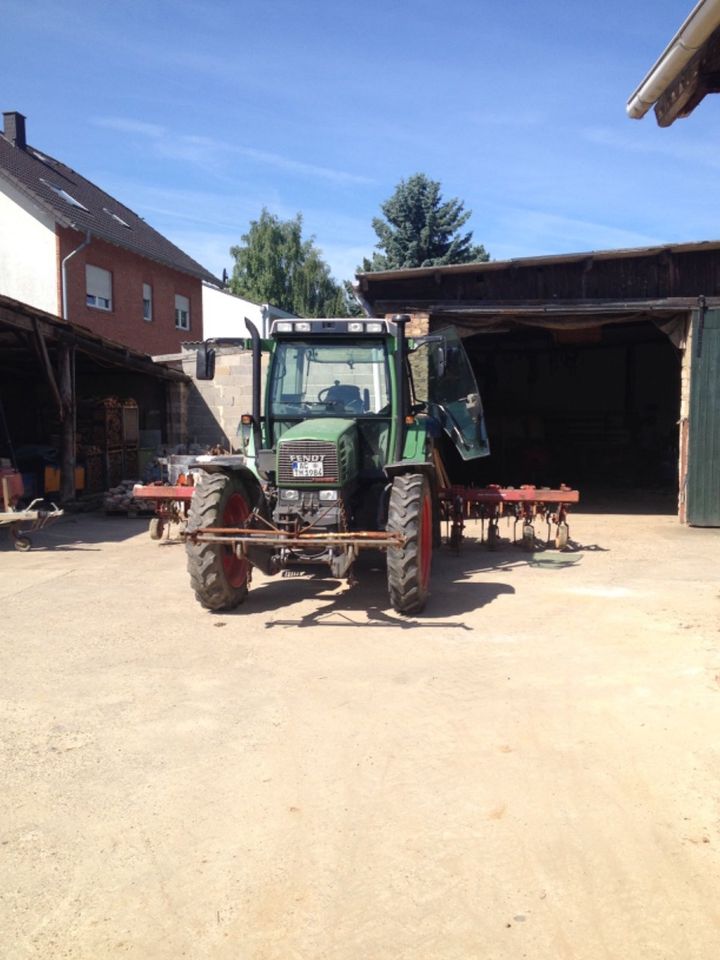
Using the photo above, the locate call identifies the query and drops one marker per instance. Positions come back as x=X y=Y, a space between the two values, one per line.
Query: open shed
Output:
x=601 y=370
x=69 y=398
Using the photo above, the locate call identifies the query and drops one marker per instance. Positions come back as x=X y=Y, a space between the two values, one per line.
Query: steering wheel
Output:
x=325 y=391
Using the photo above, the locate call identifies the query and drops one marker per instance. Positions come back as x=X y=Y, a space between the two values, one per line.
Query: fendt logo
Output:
x=308 y=458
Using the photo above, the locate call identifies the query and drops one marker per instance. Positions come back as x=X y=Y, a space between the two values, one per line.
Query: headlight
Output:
x=328 y=495
x=355 y=327
x=374 y=327
x=301 y=327
x=289 y=494
x=282 y=326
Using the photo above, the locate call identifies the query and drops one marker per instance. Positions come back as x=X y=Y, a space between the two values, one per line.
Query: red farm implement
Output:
x=525 y=506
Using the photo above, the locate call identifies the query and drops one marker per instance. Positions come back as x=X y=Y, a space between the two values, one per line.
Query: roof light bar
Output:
x=329 y=327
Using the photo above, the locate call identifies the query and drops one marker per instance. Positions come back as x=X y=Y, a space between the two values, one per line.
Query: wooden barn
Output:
x=601 y=370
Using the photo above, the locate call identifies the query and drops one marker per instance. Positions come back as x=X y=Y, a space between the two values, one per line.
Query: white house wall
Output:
x=224 y=314
x=28 y=251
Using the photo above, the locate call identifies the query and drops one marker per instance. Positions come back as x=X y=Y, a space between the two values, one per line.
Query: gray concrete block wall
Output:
x=212 y=408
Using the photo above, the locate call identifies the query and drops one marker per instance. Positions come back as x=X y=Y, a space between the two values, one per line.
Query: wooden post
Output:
x=66 y=386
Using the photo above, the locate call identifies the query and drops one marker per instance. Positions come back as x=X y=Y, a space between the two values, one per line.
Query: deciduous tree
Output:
x=275 y=265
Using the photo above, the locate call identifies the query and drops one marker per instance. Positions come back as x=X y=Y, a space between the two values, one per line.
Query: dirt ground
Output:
x=530 y=769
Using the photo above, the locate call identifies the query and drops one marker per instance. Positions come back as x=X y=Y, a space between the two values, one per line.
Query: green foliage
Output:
x=275 y=265
x=420 y=230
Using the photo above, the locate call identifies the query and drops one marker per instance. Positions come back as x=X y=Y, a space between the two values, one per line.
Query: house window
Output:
x=147 y=302
x=182 y=312
x=98 y=287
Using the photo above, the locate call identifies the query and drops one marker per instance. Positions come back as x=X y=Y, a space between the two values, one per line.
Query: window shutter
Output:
x=99 y=282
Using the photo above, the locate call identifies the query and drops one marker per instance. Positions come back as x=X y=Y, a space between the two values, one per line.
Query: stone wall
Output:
x=207 y=412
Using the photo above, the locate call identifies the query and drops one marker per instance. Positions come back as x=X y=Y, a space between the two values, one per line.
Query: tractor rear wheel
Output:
x=218 y=577
x=410 y=513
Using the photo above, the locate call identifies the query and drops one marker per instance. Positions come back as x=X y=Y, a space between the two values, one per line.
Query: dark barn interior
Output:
x=595 y=408
x=580 y=360
x=67 y=394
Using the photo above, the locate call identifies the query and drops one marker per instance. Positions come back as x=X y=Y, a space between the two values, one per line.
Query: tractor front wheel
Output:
x=218 y=577
x=410 y=513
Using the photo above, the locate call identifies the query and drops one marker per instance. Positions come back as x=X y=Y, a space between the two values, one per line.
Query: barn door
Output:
x=703 y=473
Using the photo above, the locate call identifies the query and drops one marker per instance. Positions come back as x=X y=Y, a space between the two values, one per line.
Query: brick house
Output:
x=71 y=250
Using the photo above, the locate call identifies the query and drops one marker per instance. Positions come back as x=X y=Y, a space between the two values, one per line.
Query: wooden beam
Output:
x=66 y=365
x=42 y=351
x=64 y=333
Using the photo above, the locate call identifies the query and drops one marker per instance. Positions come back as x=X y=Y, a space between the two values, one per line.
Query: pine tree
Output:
x=420 y=230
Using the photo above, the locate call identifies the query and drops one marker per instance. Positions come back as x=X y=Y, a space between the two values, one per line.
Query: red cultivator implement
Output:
x=524 y=506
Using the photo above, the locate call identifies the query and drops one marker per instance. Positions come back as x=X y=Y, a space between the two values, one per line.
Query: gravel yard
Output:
x=529 y=769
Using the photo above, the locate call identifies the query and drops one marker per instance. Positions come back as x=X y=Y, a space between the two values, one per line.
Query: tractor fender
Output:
x=411 y=466
x=262 y=557
x=233 y=465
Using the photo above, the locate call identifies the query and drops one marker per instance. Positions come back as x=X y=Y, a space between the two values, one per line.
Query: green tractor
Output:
x=341 y=457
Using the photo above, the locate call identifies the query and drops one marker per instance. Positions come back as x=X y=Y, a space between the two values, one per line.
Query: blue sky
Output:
x=198 y=113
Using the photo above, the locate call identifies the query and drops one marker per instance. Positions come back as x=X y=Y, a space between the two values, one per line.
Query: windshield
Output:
x=329 y=379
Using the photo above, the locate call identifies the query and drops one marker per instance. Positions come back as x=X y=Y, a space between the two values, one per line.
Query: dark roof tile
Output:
x=76 y=202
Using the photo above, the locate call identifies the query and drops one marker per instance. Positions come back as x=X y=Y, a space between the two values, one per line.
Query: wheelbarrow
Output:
x=22 y=521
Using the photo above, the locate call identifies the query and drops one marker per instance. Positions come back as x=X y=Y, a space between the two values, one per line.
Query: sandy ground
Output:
x=531 y=769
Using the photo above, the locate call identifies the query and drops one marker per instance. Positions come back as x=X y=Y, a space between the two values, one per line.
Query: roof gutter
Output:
x=63 y=269
x=702 y=21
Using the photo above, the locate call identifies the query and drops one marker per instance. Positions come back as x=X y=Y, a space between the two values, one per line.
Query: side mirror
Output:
x=205 y=362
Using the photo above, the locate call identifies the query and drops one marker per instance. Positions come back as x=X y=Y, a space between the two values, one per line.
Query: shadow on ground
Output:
x=81 y=531
x=454 y=591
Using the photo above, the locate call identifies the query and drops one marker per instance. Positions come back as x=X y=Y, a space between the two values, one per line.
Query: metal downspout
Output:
x=63 y=271
x=69 y=415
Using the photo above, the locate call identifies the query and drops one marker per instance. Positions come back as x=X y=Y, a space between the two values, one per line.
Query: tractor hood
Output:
x=318 y=452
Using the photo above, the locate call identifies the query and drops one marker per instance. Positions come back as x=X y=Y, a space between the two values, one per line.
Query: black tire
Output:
x=156 y=528
x=21 y=543
x=218 y=577
x=410 y=512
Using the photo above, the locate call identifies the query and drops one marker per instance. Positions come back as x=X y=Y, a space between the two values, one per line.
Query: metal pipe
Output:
x=335 y=537
x=400 y=320
x=256 y=382
x=63 y=272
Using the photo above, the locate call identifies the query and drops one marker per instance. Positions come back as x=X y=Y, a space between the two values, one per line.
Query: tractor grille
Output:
x=297 y=450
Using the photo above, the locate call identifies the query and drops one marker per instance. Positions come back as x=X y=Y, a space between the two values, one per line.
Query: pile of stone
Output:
x=119 y=499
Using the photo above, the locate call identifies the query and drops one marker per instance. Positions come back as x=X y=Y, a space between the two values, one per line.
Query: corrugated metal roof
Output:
x=76 y=202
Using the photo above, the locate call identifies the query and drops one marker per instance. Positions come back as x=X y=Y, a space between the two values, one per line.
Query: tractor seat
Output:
x=343 y=393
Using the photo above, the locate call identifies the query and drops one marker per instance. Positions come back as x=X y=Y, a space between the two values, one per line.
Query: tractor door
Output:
x=443 y=379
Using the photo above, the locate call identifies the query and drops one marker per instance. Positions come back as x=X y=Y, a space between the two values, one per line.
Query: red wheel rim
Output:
x=236 y=512
x=425 y=542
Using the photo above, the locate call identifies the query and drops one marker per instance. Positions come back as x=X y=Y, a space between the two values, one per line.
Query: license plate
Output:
x=312 y=468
